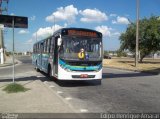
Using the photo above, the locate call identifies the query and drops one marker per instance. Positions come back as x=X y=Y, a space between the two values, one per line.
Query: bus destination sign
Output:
x=82 y=33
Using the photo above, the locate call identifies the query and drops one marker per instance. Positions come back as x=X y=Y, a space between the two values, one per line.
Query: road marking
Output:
x=45 y=82
x=40 y=76
x=83 y=110
x=51 y=86
x=59 y=92
x=68 y=98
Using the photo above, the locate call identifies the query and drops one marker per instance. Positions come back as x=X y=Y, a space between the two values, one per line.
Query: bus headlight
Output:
x=65 y=68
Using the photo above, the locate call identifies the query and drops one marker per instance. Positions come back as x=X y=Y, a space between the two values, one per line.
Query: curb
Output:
x=54 y=92
x=10 y=64
x=149 y=72
x=5 y=65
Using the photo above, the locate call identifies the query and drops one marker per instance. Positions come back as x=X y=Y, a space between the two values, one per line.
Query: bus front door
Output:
x=56 y=58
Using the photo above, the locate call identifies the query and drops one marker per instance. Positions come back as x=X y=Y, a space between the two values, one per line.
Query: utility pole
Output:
x=137 y=33
x=3 y=8
x=1 y=46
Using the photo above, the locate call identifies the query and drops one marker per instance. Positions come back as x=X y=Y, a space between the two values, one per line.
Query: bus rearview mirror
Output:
x=59 y=42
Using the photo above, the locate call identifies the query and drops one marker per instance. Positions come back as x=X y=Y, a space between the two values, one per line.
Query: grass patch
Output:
x=149 y=64
x=15 y=88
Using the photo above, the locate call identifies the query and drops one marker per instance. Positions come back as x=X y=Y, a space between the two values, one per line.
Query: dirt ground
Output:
x=148 y=65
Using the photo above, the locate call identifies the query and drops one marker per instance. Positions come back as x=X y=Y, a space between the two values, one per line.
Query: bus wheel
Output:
x=49 y=71
x=98 y=82
x=37 y=69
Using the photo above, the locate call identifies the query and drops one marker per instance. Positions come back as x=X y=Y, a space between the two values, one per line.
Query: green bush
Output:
x=121 y=54
x=14 y=88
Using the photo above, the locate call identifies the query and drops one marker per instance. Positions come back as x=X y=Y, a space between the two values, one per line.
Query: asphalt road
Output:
x=121 y=91
x=21 y=69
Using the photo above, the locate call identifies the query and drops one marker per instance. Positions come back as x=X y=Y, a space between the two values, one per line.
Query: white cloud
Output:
x=93 y=15
x=32 y=18
x=104 y=30
x=114 y=22
x=44 y=32
x=107 y=32
x=47 y=31
x=23 y=32
x=30 y=41
x=115 y=34
x=113 y=15
x=12 y=14
x=120 y=20
x=67 y=13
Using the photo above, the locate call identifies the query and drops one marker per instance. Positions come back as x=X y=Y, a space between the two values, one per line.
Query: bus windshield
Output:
x=71 y=47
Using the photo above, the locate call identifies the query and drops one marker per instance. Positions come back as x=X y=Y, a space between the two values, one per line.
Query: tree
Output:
x=121 y=53
x=149 y=37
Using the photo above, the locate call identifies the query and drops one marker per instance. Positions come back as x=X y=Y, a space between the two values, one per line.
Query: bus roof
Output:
x=80 y=29
x=72 y=28
x=60 y=31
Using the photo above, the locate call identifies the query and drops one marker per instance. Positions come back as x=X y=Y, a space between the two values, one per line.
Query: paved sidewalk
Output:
x=9 y=62
x=39 y=99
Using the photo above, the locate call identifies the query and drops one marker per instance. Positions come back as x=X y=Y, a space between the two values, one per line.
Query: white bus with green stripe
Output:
x=70 y=54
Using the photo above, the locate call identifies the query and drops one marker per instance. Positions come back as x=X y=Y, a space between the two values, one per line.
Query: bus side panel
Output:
x=45 y=62
x=39 y=60
x=34 y=59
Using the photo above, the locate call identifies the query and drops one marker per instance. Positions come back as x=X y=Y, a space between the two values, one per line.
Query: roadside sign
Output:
x=14 y=22
x=19 y=21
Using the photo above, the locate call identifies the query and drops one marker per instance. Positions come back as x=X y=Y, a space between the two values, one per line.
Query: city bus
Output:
x=70 y=54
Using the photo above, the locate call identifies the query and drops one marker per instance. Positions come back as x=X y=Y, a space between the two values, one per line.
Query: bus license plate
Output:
x=84 y=75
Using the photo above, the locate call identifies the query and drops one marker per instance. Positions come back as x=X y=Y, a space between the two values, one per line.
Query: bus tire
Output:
x=49 y=71
x=98 y=82
x=50 y=74
x=37 y=69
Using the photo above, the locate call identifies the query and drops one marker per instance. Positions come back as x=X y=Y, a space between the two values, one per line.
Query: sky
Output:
x=110 y=17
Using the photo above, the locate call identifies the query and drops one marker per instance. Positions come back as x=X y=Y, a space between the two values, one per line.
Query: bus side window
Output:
x=38 y=48
x=44 y=47
x=48 y=46
x=52 y=45
x=41 y=47
x=46 y=42
x=33 y=49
